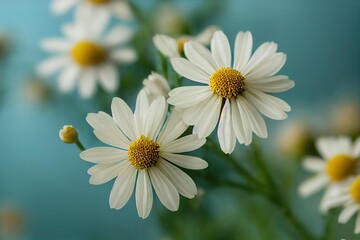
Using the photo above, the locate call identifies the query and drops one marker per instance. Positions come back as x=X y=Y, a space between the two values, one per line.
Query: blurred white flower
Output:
x=118 y=8
x=339 y=161
x=156 y=85
x=345 y=118
x=169 y=20
x=36 y=90
x=145 y=151
x=85 y=56
x=171 y=47
x=234 y=94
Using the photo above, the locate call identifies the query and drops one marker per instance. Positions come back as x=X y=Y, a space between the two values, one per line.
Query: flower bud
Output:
x=68 y=134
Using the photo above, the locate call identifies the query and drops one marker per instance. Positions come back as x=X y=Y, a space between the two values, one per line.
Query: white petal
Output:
x=62 y=6
x=344 y=145
x=56 y=45
x=243 y=48
x=332 y=191
x=109 y=77
x=314 y=164
x=266 y=104
x=87 y=83
x=205 y=36
x=220 y=49
x=313 y=184
x=102 y=173
x=348 y=212
x=52 y=65
x=257 y=123
x=269 y=67
x=356 y=148
x=164 y=189
x=242 y=130
x=119 y=35
x=122 y=10
x=337 y=200
x=272 y=84
x=141 y=110
x=106 y=130
x=144 y=194
x=173 y=128
x=184 y=161
x=72 y=31
x=123 y=187
x=124 y=56
x=208 y=117
x=155 y=117
x=182 y=182
x=67 y=78
x=191 y=115
x=184 y=97
x=124 y=117
x=103 y=155
x=184 y=144
x=92 y=19
x=200 y=56
x=325 y=147
x=166 y=45
x=226 y=135
x=189 y=70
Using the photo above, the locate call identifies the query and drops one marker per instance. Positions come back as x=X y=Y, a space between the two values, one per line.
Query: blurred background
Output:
x=44 y=189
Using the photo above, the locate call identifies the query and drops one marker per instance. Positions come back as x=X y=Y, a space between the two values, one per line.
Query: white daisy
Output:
x=118 y=8
x=85 y=56
x=171 y=47
x=156 y=85
x=231 y=93
x=339 y=161
x=145 y=151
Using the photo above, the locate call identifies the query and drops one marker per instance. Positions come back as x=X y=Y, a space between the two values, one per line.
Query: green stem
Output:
x=79 y=145
x=164 y=66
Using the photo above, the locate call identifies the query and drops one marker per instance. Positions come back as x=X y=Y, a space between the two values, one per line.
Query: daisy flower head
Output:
x=86 y=56
x=107 y=8
x=145 y=152
x=338 y=163
x=156 y=85
x=171 y=47
x=231 y=94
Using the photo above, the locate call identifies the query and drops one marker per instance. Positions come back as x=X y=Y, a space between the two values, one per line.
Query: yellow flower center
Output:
x=88 y=54
x=355 y=190
x=98 y=1
x=143 y=153
x=227 y=82
x=181 y=42
x=340 y=167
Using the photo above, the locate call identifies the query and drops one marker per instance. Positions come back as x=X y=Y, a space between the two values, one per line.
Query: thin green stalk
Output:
x=79 y=145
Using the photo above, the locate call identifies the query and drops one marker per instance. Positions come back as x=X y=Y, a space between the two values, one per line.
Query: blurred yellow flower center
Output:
x=143 y=153
x=88 y=54
x=181 y=42
x=355 y=190
x=98 y=1
x=227 y=82
x=340 y=167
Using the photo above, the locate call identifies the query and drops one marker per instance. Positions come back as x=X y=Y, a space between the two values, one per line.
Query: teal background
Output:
x=47 y=180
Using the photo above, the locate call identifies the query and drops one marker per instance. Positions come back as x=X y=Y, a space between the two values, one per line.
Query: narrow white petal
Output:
x=144 y=194
x=109 y=77
x=191 y=115
x=88 y=15
x=344 y=145
x=56 y=45
x=245 y=129
x=220 y=49
x=166 y=45
x=325 y=147
x=123 y=187
x=337 y=200
x=184 y=97
x=173 y=128
x=141 y=110
x=313 y=184
x=182 y=182
x=314 y=164
x=208 y=117
x=187 y=69
x=257 y=123
x=184 y=144
x=238 y=123
x=67 y=78
x=269 y=67
x=124 y=117
x=348 y=212
x=124 y=55
x=102 y=173
x=356 y=148
x=49 y=66
x=226 y=134
x=122 y=10
x=164 y=189
x=243 y=49
x=106 y=130
x=72 y=31
x=62 y=6
x=104 y=155
x=272 y=84
x=119 y=35
x=87 y=83
x=184 y=161
x=200 y=56
x=155 y=117
x=271 y=100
